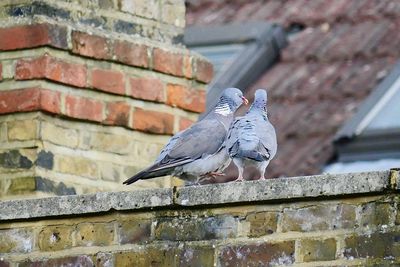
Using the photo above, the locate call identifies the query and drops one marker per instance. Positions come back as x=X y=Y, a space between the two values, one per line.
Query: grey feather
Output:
x=252 y=138
x=198 y=150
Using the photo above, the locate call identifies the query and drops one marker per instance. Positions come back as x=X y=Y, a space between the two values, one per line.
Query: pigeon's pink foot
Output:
x=262 y=178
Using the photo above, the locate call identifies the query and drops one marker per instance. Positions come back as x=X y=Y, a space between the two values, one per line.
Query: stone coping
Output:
x=277 y=190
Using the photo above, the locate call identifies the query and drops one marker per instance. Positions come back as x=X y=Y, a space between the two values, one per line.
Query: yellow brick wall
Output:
x=76 y=157
x=327 y=220
x=357 y=231
x=90 y=100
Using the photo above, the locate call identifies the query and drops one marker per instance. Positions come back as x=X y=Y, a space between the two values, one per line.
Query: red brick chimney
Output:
x=90 y=91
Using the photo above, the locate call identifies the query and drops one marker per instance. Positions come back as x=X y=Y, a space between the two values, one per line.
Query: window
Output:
x=371 y=139
x=221 y=56
x=240 y=52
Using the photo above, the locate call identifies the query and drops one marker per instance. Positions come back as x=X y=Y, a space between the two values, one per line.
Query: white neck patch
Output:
x=223 y=110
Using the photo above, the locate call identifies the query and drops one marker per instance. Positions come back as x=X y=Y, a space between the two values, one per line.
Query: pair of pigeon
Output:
x=206 y=148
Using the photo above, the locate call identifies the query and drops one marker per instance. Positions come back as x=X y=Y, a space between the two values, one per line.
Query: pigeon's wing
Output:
x=258 y=136
x=167 y=148
x=267 y=136
x=232 y=138
x=203 y=138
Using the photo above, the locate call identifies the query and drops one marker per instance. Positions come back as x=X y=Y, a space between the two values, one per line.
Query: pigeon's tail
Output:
x=147 y=174
x=251 y=154
x=157 y=170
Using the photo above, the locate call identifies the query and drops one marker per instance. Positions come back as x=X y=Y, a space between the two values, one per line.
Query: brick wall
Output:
x=328 y=220
x=90 y=91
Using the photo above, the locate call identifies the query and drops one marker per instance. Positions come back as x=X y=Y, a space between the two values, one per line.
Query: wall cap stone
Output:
x=83 y=204
x=282 y=190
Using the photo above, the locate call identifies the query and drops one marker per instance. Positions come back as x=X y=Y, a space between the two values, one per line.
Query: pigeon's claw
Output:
x=239 y=179
x=216 y=174
x=245 y=100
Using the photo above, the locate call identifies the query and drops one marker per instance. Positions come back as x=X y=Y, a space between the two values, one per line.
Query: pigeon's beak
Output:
x=245 y=101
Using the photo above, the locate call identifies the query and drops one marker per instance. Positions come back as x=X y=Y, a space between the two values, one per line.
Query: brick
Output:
x=59 y=135
x=376 y=214
x=90 y=45
x=53 y=69
x=142 y=8
x=168 y=62
x=111 y=172
x=28 y=36
x=196 y=256
x=134 y=231
x=318 y=250
x=46 y=185
x=81 y=261
x=345 y=217
x=397 y=219
x=260 y=254
x=108 y=81
x=147 y=88
x=174 y=13
x=94 y=234
x=162 y=257
x=184 y=123
x=29 y=99
x=117 y=113
x=307 y=219
x=16 y=241
x=153 y=121
x=22 y=130
x=50 y=101
x=106 y=4
x=45 y=159
x=19 y=100
x=31 y=68
x=189 y=229
x=103 y=259
x=18 y=159
x=126 y=27
x=52 y=238
x=187 y=66
x=146 y=150
x=76 y=165
x=37 y=8
x=203 y=70
x=110 y=142
x=375 y=245
x=262 y=223
x=22 y=185
x=189 y=99
x=3 y=132
x=131 y=54
x=84 y=108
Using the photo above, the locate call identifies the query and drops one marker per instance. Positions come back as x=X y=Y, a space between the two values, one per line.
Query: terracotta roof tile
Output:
x=325 y=72
x=310 y=13
x=247 y=10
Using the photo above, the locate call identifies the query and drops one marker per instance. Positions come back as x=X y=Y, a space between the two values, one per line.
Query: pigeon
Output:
x=252 y=139
x=198 y=152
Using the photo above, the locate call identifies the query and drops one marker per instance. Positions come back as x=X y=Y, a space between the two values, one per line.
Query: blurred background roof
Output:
x=339 y=51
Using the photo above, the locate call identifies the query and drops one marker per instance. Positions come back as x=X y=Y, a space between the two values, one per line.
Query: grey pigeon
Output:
x=198 y=151
x=251 y=139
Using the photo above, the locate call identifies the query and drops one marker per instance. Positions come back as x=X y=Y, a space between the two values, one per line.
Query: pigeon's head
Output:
x=229 y=101
x=260 y=99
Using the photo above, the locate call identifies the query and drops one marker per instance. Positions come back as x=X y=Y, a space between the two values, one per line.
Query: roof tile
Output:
x=325 y=72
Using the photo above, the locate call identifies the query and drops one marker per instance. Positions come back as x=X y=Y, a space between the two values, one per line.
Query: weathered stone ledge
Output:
x=282 y=189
